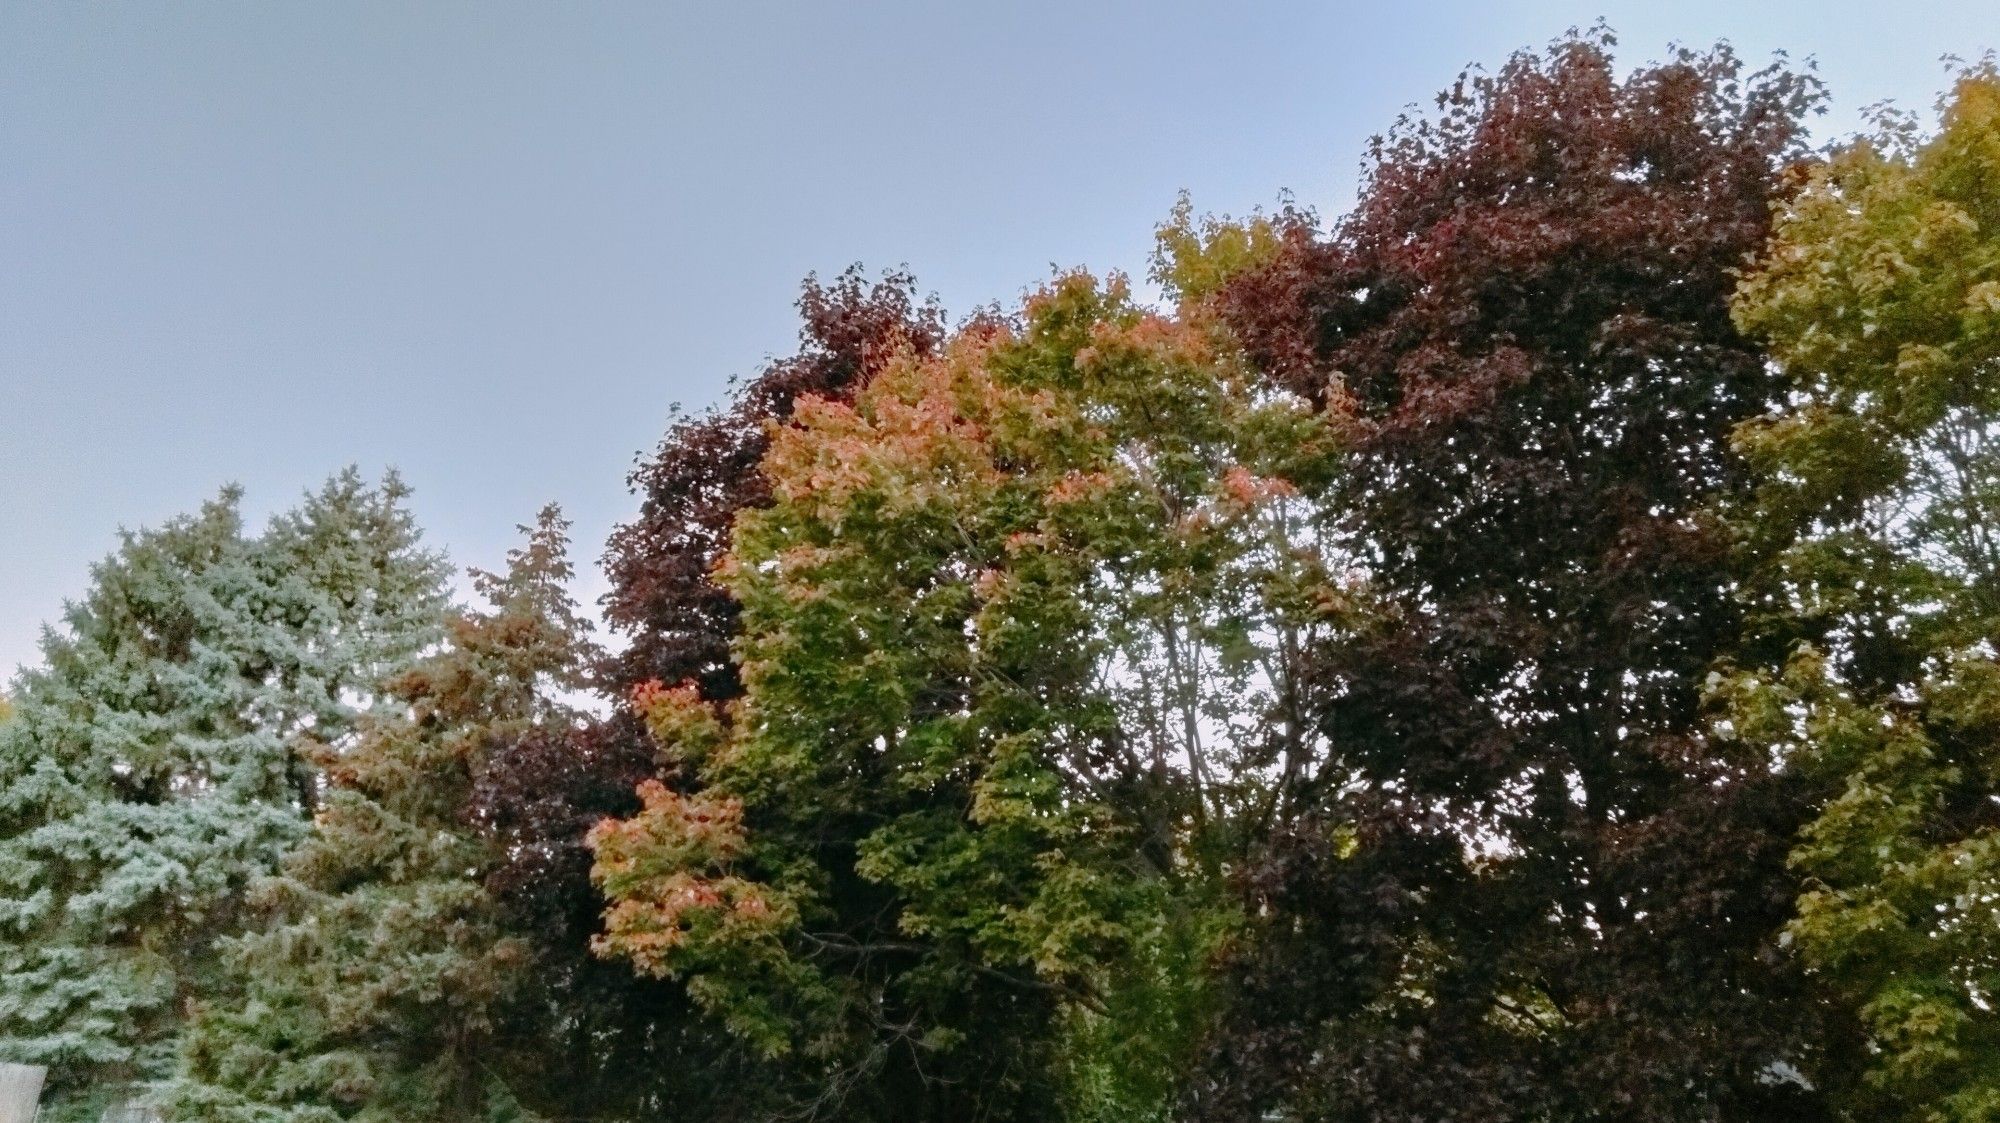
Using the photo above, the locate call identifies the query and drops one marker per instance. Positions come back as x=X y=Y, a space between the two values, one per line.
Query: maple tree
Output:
x=630 y=1046
x=1880 y=594
x=1539 y=889
x=1525 y=650
x=1013 y=636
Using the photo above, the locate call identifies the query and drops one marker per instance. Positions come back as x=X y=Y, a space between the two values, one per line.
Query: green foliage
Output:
x=1127 y=1061
x=1495 y=658
x=380 y=982
x=1193 y=258
x=149 y=773
x=1880 y=296
x=1013 y=654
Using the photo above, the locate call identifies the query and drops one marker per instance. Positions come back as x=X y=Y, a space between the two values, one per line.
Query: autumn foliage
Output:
x=1527 y=648
x=1563 y=896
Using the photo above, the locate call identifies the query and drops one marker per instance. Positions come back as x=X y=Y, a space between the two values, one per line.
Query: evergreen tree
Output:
x=150 y=771
x=380 y=988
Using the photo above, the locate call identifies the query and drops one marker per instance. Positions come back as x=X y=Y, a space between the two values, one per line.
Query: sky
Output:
x=491 y=244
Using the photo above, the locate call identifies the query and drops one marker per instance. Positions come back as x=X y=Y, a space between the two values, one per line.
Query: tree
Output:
x=1875 y=522
x=1533 y=887
x=607 y=1044
x=149 y=772
x=382 y=982
x=629 y=1046
x=706 y=470
x=1529 y=651
x=1014 y=628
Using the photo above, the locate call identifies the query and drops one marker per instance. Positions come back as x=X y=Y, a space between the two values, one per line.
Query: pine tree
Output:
x=381 y=986
x=150 y=771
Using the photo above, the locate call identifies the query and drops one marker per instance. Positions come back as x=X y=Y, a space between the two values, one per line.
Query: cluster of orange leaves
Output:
x=919 y=430
x=667 y=870
x=1247 y=489
x=1151 y=339
x=683 y=724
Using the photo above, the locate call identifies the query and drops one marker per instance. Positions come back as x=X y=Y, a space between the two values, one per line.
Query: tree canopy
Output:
x=149 y=775
x=1879 y=592
x=1521 y=649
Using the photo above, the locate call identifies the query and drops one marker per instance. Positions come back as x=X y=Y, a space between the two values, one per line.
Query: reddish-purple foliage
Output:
x=627 y=1045
x=1524 y=330
x=613 y=1045
x=706 y=470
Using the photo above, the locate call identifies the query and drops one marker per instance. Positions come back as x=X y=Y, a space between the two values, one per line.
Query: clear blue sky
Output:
x=492 y=243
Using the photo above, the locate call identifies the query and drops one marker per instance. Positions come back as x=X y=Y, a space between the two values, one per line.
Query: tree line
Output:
x=1523 y=649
